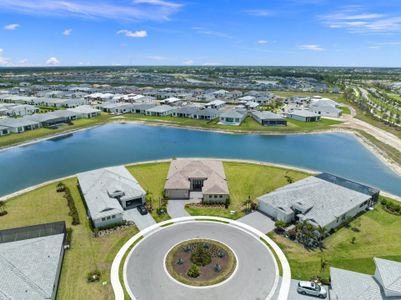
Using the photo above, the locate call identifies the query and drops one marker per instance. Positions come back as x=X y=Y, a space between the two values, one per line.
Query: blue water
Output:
x=116 y=144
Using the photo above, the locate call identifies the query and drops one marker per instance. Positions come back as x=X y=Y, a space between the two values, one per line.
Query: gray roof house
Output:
x=85 y=111
x=233 y=117
x=107 y=192
x=267 y=118
x=323 y=200
x=53 y=118
x=140 y=108
x=160 y=110
x=303 y=115
x=18 y=125
x=384 y=285
x=205 y=176
x=116 y=108
x=30 y=261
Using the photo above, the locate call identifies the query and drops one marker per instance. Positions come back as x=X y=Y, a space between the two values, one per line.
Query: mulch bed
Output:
x=208 y=275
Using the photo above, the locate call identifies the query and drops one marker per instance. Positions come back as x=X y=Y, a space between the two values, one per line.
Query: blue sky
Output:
x=200 y=32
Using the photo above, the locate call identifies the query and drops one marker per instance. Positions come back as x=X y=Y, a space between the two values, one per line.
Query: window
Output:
x=103 y=219
x=221 y=196
x=215 y=196
x=108 y=218
x=113 y=216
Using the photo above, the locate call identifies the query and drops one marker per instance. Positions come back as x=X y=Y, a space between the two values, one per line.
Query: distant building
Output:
x=323 y=200
x=204 y=176
x=267 y=118
x=85 y=111
x=216 y=104
x=233 y=117
x=303 y=115
x=107 y=192
x=30 y=261
x=160 y=111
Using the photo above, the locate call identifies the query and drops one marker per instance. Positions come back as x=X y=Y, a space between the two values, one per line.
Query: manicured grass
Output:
x=247 y=180
x=152 y=178
x=346 y=110
x=17 y=138
x=86 y=254
x=378 y=237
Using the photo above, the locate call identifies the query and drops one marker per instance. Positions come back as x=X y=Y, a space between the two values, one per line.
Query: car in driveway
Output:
x=311 y=289
x=142 y=210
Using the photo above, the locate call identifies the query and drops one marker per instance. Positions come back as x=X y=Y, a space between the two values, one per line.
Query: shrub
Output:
x=71 y=205
x=68 y=238
x=193 y=271
x=3 y=213
x=201 y=257
x=60 y=187
x=93 y=276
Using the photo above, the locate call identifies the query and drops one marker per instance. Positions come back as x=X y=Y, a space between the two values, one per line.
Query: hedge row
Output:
x=71 y=205
x=391 y=206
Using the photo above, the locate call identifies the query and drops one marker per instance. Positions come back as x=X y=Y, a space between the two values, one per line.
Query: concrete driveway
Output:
x=147 y=279
x=259 y=221
x=176 y=208
x=140 y=221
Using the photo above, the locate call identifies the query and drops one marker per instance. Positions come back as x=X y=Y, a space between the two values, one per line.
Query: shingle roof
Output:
x=267 y=115
x=390 y=273
x=29 y=267
x=347 y=285
x=182 y=169
x=326 y=200
x=97 y=187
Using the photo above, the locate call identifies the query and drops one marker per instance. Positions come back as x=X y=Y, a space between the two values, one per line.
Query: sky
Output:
x=200 y=32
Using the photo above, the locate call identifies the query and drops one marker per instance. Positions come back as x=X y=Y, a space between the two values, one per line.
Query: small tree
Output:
x=248 y=203
x=3 y=208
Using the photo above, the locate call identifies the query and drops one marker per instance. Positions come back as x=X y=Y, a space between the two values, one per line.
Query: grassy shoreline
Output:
x=248 y=126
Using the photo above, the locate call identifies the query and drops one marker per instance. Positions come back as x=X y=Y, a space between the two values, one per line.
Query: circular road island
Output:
x=200 y=260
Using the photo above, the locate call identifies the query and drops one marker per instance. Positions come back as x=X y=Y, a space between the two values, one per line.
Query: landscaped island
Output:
x=201 y=262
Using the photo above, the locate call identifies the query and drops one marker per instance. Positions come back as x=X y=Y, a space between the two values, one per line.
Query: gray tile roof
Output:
x=29 y=267
x=267 y=115
x=17 y=122
x=322 y=200
x=303 y=113
x=390 y=274
x=347 y=285
x=98 y=187
x=161 y=108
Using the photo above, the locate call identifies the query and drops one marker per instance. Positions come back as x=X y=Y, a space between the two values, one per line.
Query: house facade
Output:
x=108 y=192
x=323 y=200
x=203 y=176
x=267 y=118
x=233 y=117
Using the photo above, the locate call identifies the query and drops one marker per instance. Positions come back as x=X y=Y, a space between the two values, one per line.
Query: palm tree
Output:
x=248 y=203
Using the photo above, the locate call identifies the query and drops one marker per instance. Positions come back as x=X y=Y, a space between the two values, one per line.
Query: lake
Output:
x=115 y=144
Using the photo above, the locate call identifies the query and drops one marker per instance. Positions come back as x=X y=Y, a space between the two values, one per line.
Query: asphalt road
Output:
x=253 y=280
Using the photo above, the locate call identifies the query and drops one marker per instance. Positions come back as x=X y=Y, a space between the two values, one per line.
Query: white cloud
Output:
x=311 y=47
x=67 y=32
x=355 y=20
x=52 y=61
x=158 y=3
x=259 y=12
x=127 y=10
x=262 y=42
x=134 y=34
x=11 y=26
x=205 y=31
x=188 y=62
x=211 y=64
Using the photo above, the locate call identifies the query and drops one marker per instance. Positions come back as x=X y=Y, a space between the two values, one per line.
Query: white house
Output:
x=323 y=200
x=85 y=111
x=303 y=115
x=233 y=117
x=160 y=111
x=216 y=104
x=107 y=192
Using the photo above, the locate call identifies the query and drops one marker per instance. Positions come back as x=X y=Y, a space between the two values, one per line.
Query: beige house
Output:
x=205 y=176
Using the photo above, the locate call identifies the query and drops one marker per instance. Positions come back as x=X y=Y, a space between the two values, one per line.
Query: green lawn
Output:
x=345 y=110
x=379 y=236
x=248 y=180
x=152 y=178
x=86 y=254
x=17 y=138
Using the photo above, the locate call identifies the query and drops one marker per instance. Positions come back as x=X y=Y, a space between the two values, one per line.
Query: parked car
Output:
x=142 y=210
x=312 y=289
